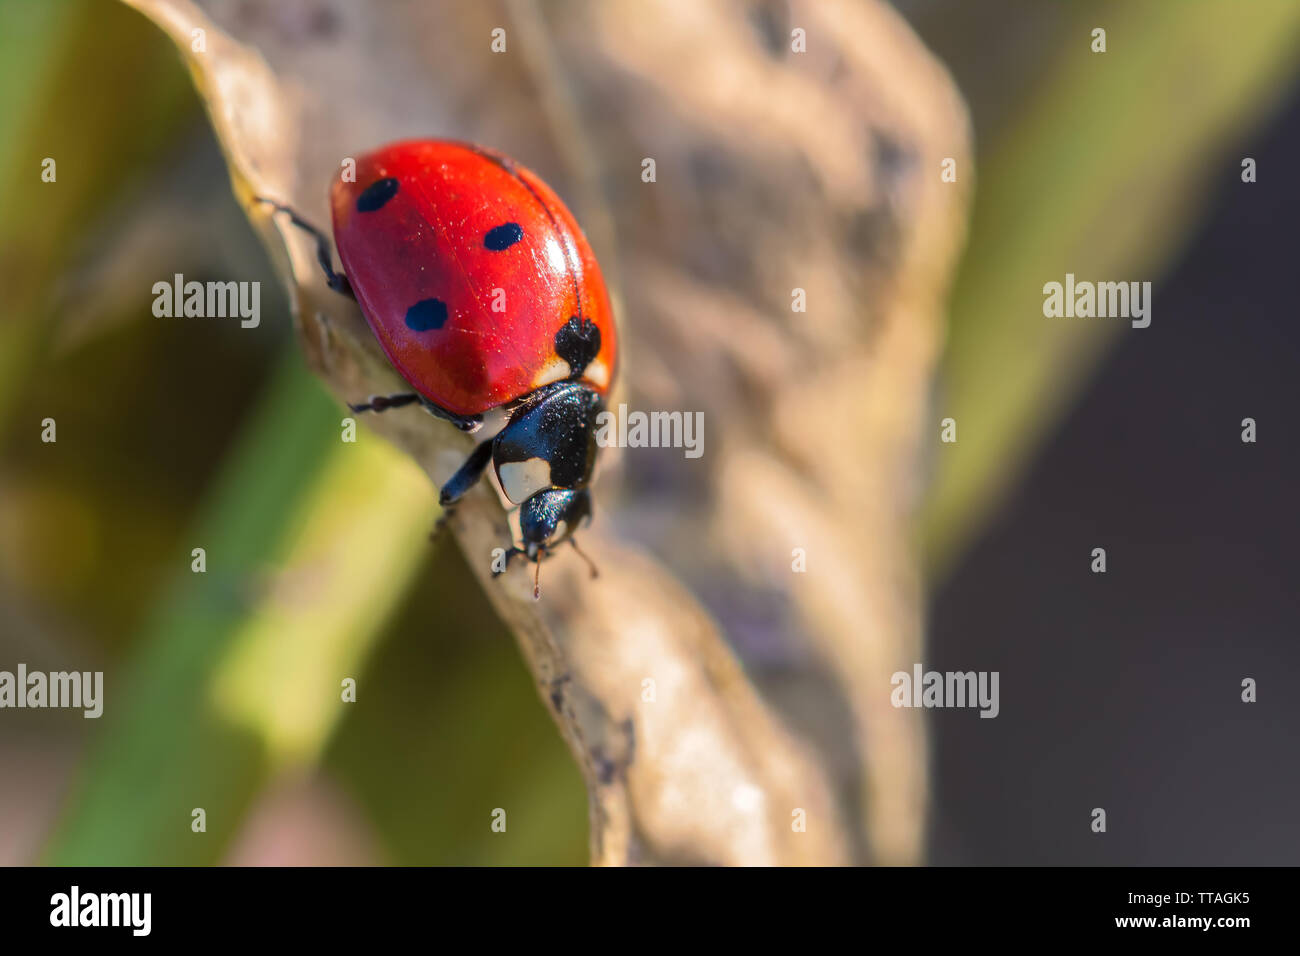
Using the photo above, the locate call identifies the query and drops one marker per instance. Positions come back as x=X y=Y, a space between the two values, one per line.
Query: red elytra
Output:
x=466 y=266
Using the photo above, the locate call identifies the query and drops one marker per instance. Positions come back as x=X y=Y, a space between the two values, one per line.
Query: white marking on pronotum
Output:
x=522 y=479
x=553 y=371
x=597 y=373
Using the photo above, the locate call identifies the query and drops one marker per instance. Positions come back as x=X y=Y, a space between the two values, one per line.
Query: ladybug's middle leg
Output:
x=382 y=403
x=466 y=423
x=336 y=280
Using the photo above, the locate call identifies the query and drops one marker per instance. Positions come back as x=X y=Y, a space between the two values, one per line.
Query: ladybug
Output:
x=487 y=299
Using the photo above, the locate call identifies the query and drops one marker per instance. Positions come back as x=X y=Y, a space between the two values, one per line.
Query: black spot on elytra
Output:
x=577 y=342
x=503 y=236
x=426 y=315
x=376 y=194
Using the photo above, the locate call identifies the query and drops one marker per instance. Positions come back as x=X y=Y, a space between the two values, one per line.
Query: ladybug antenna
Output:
x=537 y=577
x=582 y=554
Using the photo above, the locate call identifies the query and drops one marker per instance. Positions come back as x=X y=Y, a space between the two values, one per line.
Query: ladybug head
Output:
x=548 y=517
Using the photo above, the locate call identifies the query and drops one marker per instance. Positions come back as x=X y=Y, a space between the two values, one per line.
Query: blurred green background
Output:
x=174 y=435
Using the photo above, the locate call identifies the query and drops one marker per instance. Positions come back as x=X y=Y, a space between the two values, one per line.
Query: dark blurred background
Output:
x=1123 y=690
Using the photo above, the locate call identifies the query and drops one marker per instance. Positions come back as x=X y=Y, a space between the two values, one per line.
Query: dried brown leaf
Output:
x=775 y=170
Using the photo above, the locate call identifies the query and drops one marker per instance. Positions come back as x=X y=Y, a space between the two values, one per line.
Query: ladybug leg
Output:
x=336 y=280
x=381 y=403
x=468 y=474
x=543 y=551
x=466 y=423
x=537 y=570
x=460 y=483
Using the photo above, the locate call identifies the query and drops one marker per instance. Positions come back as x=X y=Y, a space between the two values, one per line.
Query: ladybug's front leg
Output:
x=336 y=280
x=461 y=482
x=468 y=474
x=591 y=565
